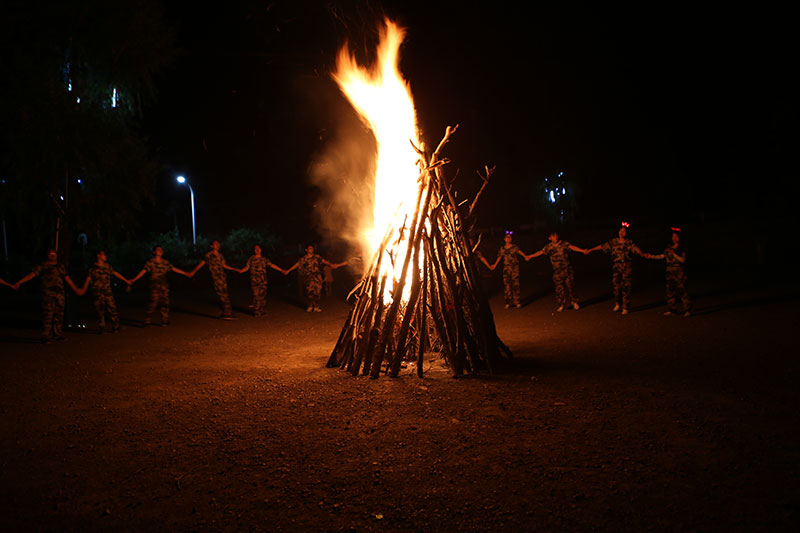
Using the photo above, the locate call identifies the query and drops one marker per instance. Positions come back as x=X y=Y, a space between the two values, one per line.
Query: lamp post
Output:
x=183 y=181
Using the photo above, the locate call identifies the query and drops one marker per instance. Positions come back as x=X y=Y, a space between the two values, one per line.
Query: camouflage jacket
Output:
x=215 y=260
x=258 y=267
x=620 y=250
x=558 y=252
x=509 y=255
x=158 y=270
x=310 y=267
x=101 y=277
x=671 y=258
x=52 y=276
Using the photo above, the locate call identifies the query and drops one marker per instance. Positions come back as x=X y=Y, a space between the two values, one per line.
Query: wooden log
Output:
x=423 y=313
x=391 y=314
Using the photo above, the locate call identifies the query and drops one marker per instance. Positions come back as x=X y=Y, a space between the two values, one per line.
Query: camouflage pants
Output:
x=564 y=279
x=104 y=303
x=221 y=288
x=676 y=288
x=622 y=273
x=259 y=297
x=511 y=285
x=52 y=313
x=313 y=290
x=159 y=297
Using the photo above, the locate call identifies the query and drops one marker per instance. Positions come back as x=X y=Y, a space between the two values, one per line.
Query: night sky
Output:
x=667 y=114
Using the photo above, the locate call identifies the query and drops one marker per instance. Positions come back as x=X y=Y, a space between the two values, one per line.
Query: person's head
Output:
x=158 y=251
x=623 y=230
x=52 y=255
x=257 y=249
x=215 y=245
x=509 y=236
x=676 y=236
x=553 y=236
x=101 y=256
x=310 y=249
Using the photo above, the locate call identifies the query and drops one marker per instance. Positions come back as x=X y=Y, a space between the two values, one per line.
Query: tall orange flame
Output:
x=383 y=101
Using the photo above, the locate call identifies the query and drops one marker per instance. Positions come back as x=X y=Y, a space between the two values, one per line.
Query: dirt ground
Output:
x=601 y=422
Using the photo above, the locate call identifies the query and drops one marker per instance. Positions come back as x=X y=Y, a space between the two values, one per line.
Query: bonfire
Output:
x=421 y=292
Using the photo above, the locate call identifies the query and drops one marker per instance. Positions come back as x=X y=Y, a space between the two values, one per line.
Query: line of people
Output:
x=621 y=250
x=53 y=276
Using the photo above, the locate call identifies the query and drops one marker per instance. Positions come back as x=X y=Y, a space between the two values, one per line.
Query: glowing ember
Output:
x=383 y=101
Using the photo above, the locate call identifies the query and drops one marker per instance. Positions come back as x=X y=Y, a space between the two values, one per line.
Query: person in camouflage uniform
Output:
x=100 y=278
x=675 y=257
x=621 y=249
x=217 y=266
x=563 y=273
x=508 y=253
x=52 y=275
x=310 y=268
x=257 y=265
x=158 y=268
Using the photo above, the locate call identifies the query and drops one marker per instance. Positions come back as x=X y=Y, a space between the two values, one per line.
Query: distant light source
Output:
x=182 y=181
x=114 y=98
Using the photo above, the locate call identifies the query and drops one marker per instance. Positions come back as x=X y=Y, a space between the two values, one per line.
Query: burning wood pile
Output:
x=444 y=305
x=421 y=290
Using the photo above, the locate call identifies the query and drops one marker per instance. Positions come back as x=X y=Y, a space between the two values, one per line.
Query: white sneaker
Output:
x=317 y=310
x=624 y=311
x=518 y=306
x=667 y=313
x=309 y=309
x=575 y=306
x=687 y=314
x=508 y=306
x=616 y=308
x=560 y=308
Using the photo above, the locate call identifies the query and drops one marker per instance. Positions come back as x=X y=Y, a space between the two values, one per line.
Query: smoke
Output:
x=344 y=172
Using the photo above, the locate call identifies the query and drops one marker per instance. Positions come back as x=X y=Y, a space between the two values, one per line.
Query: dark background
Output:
x=663 y=115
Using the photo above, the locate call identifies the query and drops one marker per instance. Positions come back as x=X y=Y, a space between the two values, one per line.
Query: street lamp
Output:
x=183 y=181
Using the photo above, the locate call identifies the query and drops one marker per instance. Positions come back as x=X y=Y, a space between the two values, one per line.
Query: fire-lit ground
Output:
x=606 y=422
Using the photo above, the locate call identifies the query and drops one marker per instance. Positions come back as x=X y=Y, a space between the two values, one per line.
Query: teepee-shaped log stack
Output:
x=445 y=305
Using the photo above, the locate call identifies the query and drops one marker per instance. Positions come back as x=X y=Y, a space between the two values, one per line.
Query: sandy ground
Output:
x=601 y=422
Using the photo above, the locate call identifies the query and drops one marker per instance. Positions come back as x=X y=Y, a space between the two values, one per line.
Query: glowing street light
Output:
x=183 y=181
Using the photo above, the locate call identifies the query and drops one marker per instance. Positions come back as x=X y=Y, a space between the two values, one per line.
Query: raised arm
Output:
x=593 y=249
x=334 y=265
x=638 y=251
x=534 y=254
x=578 y=249
x=291 y=268
x=681 y=258
x=187 y=274
x=137 y=276
x=200 y=265
x=276 y=267
x=7 y=284
x=73 y=286
x=120 y=277
x=25 y=279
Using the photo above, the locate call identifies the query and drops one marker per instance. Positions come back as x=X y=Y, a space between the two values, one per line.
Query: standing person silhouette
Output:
x=158 y=268
x=508 y=253
x=621 y=249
